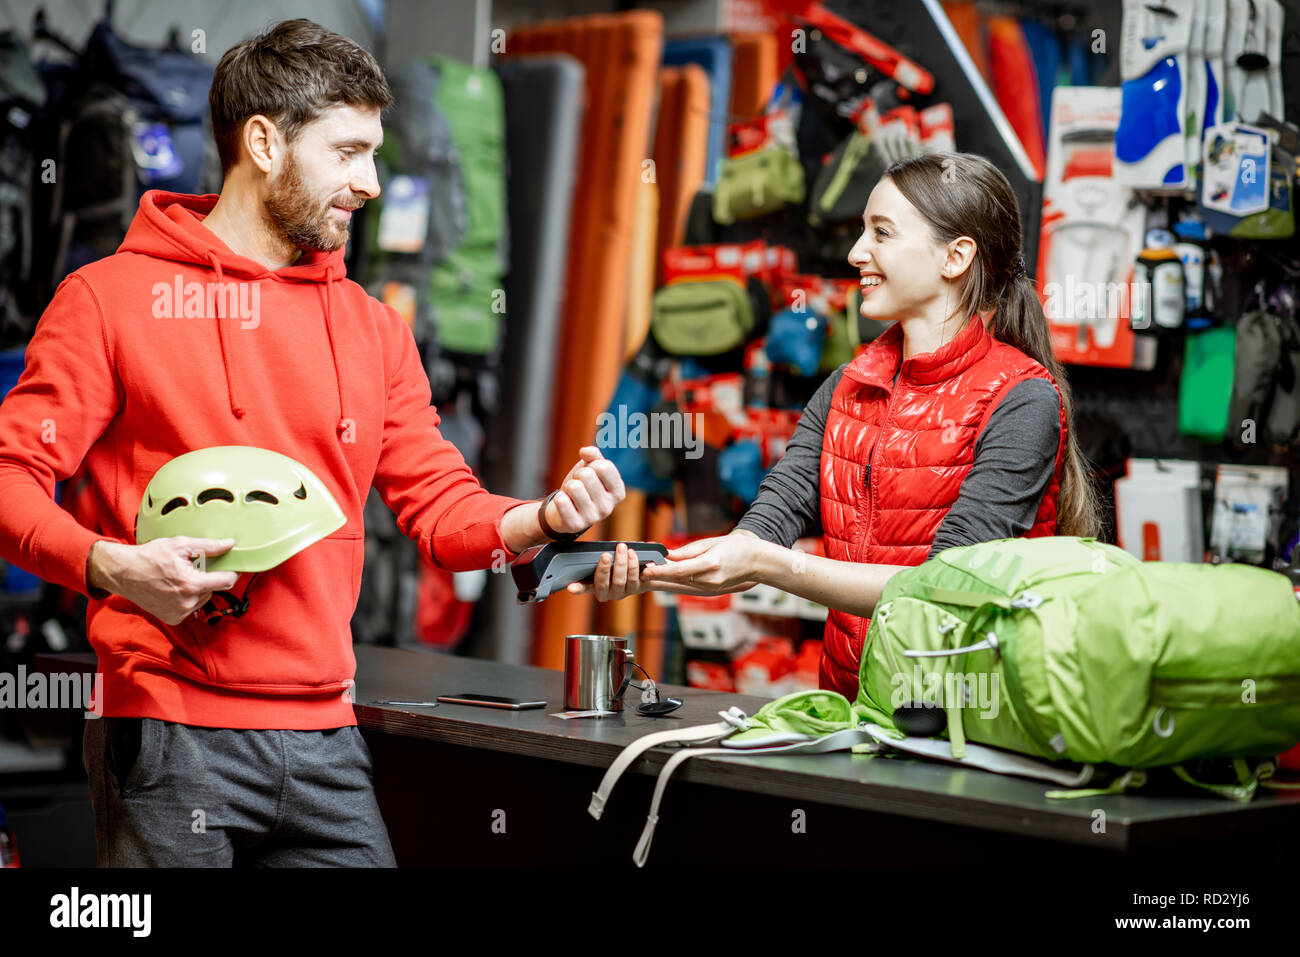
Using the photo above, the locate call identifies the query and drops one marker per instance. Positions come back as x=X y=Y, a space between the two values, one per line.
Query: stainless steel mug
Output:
x=594 y=668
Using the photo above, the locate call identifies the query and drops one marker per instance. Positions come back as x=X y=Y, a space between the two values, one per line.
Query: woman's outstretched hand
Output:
x=710 y=566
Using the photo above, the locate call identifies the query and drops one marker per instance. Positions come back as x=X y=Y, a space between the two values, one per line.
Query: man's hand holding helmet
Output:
x=159 y=577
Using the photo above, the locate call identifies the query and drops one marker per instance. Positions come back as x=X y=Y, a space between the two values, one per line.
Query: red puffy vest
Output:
x=894 y=457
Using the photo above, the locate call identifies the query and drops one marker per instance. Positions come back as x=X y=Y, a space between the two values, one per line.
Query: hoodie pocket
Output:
x=296 y=636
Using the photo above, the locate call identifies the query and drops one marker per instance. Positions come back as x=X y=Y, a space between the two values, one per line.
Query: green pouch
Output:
x=1205 y=389
x=757 y=183
x=701 y=317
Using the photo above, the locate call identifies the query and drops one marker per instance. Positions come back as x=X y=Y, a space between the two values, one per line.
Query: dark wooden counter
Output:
x=856 y=791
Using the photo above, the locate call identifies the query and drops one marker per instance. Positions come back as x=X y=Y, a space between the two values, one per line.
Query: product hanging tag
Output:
x=404 y=222
x=1236 y=169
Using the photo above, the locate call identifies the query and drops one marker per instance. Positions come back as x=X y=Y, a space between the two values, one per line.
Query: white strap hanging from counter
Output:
x=837 y=741
x=733 y=719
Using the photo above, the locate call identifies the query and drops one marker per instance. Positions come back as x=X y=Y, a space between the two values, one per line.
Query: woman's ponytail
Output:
x=1018 y=320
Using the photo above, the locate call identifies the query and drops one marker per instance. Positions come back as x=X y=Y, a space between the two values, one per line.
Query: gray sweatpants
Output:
x=173 y=795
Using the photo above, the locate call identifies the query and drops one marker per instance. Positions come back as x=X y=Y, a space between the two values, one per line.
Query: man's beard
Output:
x=299 y=216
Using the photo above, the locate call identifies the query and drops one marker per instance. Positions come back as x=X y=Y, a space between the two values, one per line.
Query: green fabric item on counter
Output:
x=811 y=713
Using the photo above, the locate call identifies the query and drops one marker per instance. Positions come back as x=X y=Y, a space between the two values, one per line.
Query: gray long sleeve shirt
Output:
x=1015 y=457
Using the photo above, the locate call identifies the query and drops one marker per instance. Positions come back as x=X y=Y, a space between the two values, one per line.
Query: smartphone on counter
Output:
x=491 y=701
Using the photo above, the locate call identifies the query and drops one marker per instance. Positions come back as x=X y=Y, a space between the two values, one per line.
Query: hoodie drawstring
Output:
x=236 y=409
x=342 y=423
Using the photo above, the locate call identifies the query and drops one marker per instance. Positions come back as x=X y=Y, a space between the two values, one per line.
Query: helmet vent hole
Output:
x=175 y=503
x=209 y=494
x=301 y=492
x=257 y=495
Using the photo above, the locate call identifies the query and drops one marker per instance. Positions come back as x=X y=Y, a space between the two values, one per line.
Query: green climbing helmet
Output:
x=272 y=506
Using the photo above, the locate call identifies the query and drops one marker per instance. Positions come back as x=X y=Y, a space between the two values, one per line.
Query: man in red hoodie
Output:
x=229 y=321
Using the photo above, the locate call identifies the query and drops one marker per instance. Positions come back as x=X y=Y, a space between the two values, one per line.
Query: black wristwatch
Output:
x=549 y=532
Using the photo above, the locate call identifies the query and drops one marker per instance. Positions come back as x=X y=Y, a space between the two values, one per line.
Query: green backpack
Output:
x=1077 y=651
x=443 y=170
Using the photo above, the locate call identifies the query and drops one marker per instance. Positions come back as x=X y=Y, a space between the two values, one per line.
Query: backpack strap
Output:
x=835 y=741
x=1248 y=780
x=868 y=738
x=977 y=599
x=733 y=719
x=1132 y=778
x=956 y=729
x=1267 y=769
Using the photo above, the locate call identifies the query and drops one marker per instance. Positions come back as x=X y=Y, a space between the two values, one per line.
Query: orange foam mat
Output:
x=641 y=271
x=681 y=149
x=621 y=54
x=753 y=73
x=628 y=521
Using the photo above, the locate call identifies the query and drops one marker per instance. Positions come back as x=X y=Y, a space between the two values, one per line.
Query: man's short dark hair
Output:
x=290 y=73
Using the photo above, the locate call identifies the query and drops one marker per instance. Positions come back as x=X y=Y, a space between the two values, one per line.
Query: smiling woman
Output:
x=951 y=428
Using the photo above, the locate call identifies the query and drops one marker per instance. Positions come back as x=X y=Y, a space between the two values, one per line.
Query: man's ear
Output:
x=958 y=259
x=261 y=141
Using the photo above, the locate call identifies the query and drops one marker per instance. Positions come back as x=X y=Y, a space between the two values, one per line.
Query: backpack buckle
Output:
x=735 y=717
x=1026 y=600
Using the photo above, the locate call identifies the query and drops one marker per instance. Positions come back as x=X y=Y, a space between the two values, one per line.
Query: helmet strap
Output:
x=234 y=605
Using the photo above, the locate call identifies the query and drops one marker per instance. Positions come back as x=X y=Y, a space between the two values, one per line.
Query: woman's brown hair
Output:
x=961 y=194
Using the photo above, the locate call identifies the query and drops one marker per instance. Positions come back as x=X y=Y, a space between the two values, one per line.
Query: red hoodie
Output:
x=122 y=374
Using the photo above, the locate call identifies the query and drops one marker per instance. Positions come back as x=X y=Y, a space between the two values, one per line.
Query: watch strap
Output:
x=547 y=530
